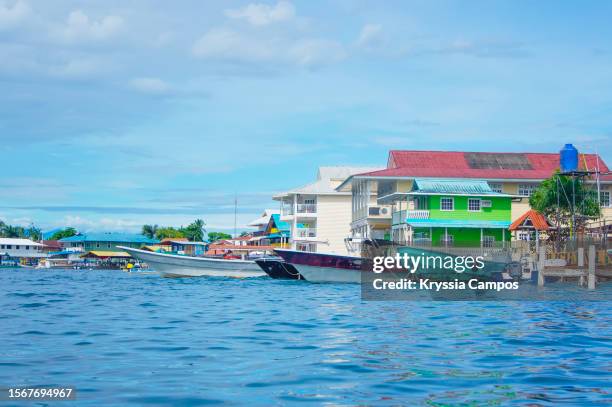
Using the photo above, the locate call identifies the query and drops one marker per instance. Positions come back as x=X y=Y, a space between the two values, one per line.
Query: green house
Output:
x=458 y=213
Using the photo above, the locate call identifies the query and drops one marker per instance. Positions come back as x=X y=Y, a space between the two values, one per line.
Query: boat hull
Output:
x=170 y=265
x=279 y=269
x=326 y=268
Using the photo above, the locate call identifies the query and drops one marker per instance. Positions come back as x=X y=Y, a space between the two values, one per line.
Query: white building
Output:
x=320 y=216
x=20 y=249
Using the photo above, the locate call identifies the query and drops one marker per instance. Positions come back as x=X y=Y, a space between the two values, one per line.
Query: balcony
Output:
x=398 y=217
x=304 y=233
x=306 y=209
x=302 y=210
x=418 y=214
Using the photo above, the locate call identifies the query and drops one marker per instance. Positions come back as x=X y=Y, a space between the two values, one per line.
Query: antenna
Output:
x=235 y=213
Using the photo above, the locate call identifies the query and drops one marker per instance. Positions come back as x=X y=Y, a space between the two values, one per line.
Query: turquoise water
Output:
x=129 y=339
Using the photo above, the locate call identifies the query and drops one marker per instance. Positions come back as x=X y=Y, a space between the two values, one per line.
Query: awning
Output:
x=105 y=254
x=452 y=223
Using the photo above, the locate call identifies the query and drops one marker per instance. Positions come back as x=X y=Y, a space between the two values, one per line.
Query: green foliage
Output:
x=150 y=231
x=168 y=232
x=195 y=231
x=34 y=233
x=555 y=199
x=61 y=234
x=12 y=231
x=214 y=236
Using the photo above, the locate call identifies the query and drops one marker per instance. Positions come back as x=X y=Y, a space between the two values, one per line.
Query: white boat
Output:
x=175 y=265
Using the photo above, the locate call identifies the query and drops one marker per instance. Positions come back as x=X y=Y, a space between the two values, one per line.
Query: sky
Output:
x=114 y=114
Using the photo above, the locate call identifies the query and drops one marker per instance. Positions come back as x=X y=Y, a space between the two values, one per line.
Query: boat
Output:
x=326 y=268
x=278 y=269
x=332 y=268
x=178 y=265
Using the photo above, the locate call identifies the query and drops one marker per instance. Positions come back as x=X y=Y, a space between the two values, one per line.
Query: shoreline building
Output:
x=106 y=241
x=20 y=251
x=319 y=216
x=514 y=174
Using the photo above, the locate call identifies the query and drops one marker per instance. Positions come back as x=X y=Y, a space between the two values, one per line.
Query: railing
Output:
x=418 y=214
x=306 y=208
x=305 y=232
x=287 y=211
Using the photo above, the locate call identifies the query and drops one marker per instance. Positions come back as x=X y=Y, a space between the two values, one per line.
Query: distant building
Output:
x=24 y=251
x=188 y=248
x=319 y=216
x=106 y=241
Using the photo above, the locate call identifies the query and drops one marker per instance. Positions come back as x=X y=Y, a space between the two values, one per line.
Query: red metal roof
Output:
x=455 y=164
x=538 y=220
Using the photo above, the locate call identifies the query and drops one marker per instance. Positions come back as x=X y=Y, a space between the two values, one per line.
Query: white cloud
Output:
x=80 y=68
x=10 y=16
x=152 y=86
x=370 y=36
x=262 y=14
x=79 y=27
x=226 y=44
x=312 y=52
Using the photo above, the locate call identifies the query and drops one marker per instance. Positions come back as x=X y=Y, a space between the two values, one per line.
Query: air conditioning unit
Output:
x=486 y=203
x=384 y=211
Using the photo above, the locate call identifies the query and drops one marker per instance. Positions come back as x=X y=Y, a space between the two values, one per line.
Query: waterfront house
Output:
x=318 y=215
x=107 y=241
x=277 y=232
x=516 y=174
x=24 y=251
x=188 y=248
x=455 y=213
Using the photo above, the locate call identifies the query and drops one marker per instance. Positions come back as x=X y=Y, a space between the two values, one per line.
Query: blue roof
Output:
x=280 y=224
x=454 y=223
x=110 y=237
x=452 y=186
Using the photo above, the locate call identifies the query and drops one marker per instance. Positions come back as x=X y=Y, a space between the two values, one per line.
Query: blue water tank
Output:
x=568 y=158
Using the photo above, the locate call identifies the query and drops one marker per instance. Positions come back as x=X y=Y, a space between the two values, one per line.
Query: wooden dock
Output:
x=587 y=274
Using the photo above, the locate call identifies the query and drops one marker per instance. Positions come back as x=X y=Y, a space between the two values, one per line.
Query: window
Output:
x=9 y=246
x=604 y=197
x=474 y=205
x=17 y=247
x=27 y=248
x=447 y=204
x=447 y=240
x=488 y=241
x=524 y=236
x=526 y=189
x=496 y=187
x=98 y=245
x=310 y=201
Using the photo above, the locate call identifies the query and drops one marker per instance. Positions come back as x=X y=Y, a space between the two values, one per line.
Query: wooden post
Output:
x=541 y=261
x=592 y=261
x=581 y=263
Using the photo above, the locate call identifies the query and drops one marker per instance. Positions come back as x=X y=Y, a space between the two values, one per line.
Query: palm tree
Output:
x=12 y=231
x=150 y=231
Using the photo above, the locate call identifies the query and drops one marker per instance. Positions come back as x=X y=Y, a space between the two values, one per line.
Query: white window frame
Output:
x=488 y=241
x=526 y=189
x=447 y=239
x=524 y=235
x=601 y=199
x=479 y=204
x=496 y=187
x=452 y=200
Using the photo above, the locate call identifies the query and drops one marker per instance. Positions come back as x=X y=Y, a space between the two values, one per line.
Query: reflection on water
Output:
x=138 y=339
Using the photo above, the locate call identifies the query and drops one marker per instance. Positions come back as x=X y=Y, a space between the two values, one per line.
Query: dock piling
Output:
x=581 y=264
x=541 y=261
x=592 y=261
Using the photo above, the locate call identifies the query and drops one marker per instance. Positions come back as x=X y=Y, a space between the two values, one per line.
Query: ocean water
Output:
x=135 y=339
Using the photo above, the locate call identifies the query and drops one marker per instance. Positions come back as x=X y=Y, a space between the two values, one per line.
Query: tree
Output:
x=61 y=234
x=555 y=199
x=195 y=231
x=34 y=233
x=245 y=233
x=168 y=232
x=12 y=231
x=150 y=231
x=214 y=236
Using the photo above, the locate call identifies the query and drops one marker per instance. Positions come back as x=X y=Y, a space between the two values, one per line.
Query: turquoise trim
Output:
x=452 y=223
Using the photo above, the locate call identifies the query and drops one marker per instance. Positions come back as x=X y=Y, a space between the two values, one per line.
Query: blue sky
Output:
x=116 y=113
